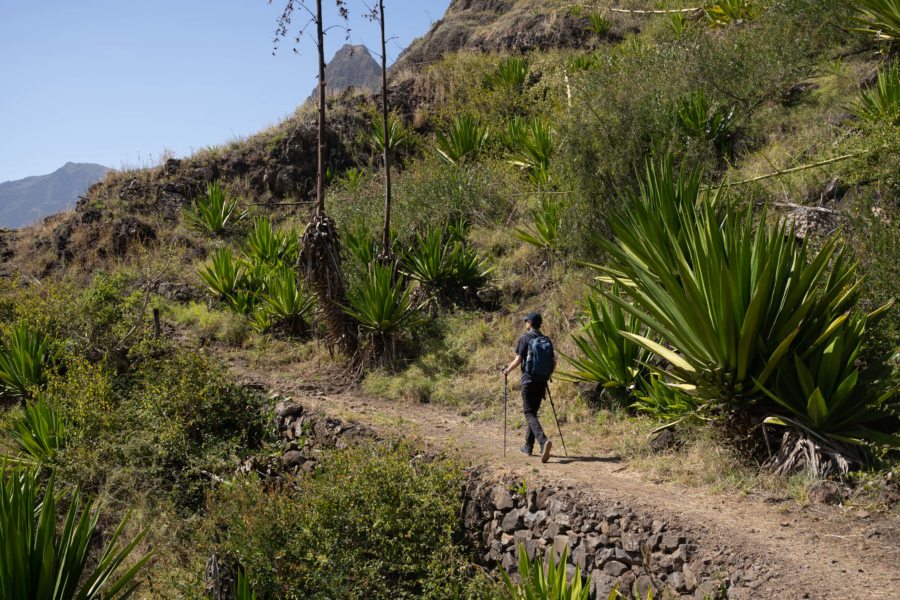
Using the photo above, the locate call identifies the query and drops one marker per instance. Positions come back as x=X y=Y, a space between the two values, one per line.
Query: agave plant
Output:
x=881 y=104
x=271 y=246
x=287 y=301
x=468 y=269
x=37 y=561
x=224 y=275
x=534 y=151
x=464 y=141
x=39 y=432
x=823 y=391
x=550 y=584
x=215 y=212
x=697 y=120
x=881 y=18
x=396 y=136
x=545 y=232
x=242 y=588
x=22 y=361
x=599 y=24
x=511 y=74
x=661 y=401
x=729 y=300
x=427 y=260
x=606 y=356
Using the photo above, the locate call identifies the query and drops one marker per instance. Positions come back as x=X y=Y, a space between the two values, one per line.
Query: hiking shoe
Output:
x=525 y=450
x=545 y=451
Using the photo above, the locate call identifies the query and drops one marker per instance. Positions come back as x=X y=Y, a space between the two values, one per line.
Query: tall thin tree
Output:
x=320 y=256
x=386 y=254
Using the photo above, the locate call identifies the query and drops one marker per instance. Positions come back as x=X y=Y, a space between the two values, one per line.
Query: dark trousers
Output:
x=532 y=396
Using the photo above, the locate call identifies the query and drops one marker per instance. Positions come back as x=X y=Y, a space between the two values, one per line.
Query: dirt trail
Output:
x=820 y=552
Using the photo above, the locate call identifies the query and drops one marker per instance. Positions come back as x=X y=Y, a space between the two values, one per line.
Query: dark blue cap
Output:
x=535 y=318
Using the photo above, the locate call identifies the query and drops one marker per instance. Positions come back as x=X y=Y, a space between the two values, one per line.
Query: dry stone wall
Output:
x=613 y=543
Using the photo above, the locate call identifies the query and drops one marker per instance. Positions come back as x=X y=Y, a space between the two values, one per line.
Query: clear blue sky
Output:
x=117 y=82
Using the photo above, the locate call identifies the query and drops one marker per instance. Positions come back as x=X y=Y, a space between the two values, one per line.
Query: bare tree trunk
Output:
x=386 y=242
x=320 y=173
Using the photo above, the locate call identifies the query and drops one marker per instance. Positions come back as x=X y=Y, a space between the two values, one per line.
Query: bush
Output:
x=374 y=521
x=551 y=583
x=39 y=432
x=215 y=212
x=464 y=140
x=22 y=362
x=445 y=266
x=881 y=104
x=37 y=561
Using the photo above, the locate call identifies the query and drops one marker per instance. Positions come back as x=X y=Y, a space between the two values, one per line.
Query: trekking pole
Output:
x=505 y=399
x=555 y=418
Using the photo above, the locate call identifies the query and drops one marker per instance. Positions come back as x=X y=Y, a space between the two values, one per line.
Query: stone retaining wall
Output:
x=611 y=542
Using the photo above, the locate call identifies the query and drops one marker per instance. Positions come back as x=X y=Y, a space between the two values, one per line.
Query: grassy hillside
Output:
x=540 y=154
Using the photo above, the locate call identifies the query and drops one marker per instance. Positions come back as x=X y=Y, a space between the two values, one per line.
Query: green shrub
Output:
x=269 y=246
x=373 y=521
x=397 y=136
x=224 y=274
x=545 y=232
x=698 y=120
x=23 y=361
x=606 y=356
x=540 y=583
x=727 y=12
x=443 y=265
x=83 y=393
x=661 y=401
x=599 y=24
x=881 y=18
x=39 y=432
x=215 y=212
x=286 y=301
x=38 y=561
x=533 y=150
x=510 y=75
x=881 y=104
x=464 y=140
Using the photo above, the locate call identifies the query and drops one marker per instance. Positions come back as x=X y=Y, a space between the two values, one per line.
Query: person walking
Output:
x=535 y=356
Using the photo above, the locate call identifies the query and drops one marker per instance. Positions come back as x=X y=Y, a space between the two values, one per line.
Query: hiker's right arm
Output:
x=515 y=363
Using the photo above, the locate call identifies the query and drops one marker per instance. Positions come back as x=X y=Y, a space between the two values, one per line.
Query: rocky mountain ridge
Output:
x=24 y=201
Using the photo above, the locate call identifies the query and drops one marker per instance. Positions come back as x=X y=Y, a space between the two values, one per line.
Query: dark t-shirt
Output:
x=522 y=350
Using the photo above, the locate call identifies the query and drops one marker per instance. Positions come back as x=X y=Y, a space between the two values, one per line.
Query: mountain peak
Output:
x=352 y=66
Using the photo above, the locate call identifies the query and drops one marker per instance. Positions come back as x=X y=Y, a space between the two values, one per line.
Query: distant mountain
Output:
x=352 y=66
x=25 y=200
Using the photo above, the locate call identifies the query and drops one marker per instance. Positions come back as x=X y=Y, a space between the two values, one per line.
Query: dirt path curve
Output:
x=820 y=552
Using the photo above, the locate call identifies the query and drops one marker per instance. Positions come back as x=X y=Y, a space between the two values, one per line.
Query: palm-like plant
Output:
x=729 y=301
x=396 y=136
x=660 y=400
x=427 y=261
x=698 y=120
x=881 y=18
x=545 y=232
x=881 y=104
x=287 y=301
x=606 y=356
x=215 y=212
x=22 y=361
x=37 y=561
x=39 y=432
x=550 y=584
x=599 y=24
x=511 y=74
x=224 y=275
x=534 y=151
x=464 y=141
x=467 y=269
x=271 y=246
x=726 y=12
x=823 y=391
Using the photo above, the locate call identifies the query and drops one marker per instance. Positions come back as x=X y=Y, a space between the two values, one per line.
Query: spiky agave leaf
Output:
x=881 y=18
x=39 y=432
x=215 y=212
x=22 y=361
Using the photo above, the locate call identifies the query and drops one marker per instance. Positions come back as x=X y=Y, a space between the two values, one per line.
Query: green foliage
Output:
x=269 y=246
x=826 y=391
x=372 y=522
x=22 y=361
x=880 y=18
x=37 y=561
x=443 y=264
x=510 y=75
x=599 y=24
x=286 y=300
x=397 y=137
x=881 y=104
x=223 y=275
x=545 y=232
x=662 y=401
x=729 y=299
x=39 y=432
x=727 y=12
x=352 y=180
x=464 y=141
x=540 y=584
x=242 y=588
x=698 y=120
x=606 y=356
x=215 y=212
x=534 y=146
x=382 y=305
x=468 y=269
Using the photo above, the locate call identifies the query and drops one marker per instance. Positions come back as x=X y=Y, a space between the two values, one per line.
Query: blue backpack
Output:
x=539 y=363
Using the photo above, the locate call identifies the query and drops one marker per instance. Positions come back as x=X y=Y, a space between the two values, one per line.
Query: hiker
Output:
x=534 y=352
